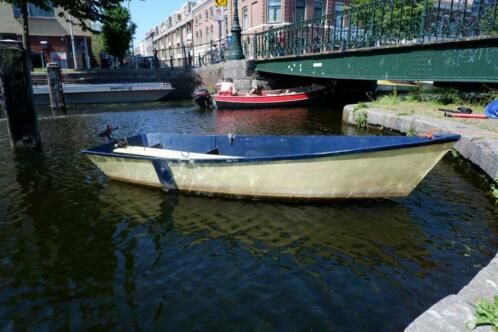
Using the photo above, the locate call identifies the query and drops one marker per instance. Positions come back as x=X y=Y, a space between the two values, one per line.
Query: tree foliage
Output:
x=117 y=32
x=85 y=11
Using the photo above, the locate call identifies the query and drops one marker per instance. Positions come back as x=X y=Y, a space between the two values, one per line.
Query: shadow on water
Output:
x=78 y=251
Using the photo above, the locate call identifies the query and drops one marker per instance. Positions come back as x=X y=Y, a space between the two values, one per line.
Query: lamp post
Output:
x=43 y=46
x=235 y=52
x=73 y=44
x=132 y=46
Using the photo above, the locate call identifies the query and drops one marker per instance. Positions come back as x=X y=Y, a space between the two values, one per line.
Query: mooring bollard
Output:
x=16 y=100
x=56 y=90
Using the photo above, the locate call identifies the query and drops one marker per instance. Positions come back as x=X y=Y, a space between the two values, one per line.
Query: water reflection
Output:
x=329 y=230
x=240 y=121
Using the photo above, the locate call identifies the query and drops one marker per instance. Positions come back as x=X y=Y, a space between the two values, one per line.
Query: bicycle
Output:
x=214 y=56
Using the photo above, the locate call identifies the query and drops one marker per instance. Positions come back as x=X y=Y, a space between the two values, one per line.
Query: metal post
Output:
x=211 y=51
x=87 y=56
x=16 y=99
x=235 y=52
x=422 y=23
x=73 y=45
x=55 y=88
x=132 y=46
x=219 y=35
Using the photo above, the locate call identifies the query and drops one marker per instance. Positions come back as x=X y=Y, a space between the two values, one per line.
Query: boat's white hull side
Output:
x=139 y=171
x=105 y=93
x=388 y=173
x=105 y=97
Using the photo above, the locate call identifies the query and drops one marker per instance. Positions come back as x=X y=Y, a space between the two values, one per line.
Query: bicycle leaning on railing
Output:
x=215 y=54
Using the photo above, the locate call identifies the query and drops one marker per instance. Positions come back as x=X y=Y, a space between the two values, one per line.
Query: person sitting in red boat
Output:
x=226 y=88
x=256 y=91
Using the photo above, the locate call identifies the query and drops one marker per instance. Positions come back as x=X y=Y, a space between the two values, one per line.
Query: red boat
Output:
x=269 y=98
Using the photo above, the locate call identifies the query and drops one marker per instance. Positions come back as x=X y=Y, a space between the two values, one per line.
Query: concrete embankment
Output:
x=454 y=311
x=477 y=145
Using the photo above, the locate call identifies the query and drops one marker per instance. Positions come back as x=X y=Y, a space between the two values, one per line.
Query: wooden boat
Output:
x=287 y=167
x=105 y=93
x=269 y=99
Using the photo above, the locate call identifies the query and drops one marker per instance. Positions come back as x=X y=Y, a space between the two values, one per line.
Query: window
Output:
x=317 y=8
x=274 y=11
x=300 y=9
x=35 y=11
x=338 y=13
x=245 y=18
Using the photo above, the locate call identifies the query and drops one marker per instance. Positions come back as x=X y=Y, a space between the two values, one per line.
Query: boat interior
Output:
x=187 y=147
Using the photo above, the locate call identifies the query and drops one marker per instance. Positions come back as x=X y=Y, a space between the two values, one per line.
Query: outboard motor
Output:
x=203 y=98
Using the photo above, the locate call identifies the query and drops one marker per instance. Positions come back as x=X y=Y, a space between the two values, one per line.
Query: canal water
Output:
x=78 y=251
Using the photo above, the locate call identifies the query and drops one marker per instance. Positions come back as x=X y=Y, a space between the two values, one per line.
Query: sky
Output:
x=148 y=13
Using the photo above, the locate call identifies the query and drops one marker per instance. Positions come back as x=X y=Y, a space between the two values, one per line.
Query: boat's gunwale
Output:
x=254 y=102
x=439 y=139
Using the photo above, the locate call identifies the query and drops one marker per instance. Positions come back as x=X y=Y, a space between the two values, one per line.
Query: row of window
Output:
x=35 y=11
x=274 y=11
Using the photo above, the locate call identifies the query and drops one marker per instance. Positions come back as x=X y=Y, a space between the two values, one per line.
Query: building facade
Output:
x=146 y=46
x=173 y=39
x=254 y=16
x=195 y=29
x=50 y=36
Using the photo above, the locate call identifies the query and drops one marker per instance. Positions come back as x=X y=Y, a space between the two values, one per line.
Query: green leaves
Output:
x=117 y=31
x=486 y=314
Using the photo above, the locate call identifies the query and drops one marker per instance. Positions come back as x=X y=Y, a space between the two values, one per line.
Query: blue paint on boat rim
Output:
x=269 y=148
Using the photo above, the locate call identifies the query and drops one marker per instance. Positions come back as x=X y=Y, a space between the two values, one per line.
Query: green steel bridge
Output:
x=434 y=40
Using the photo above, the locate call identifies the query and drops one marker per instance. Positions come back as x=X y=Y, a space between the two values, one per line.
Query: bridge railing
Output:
x=375 y=23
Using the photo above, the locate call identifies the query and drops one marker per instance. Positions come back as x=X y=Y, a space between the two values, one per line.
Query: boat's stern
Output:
x=126 y=168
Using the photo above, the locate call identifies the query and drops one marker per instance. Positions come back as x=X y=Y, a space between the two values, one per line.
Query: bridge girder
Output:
x=473 y=60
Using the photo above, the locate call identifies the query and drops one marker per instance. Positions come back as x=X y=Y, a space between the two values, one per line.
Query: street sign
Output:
x=218 y=14
x=220 y=3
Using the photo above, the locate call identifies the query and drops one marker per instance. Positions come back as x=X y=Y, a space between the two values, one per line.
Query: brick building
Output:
x=186 y=34
x=50 y=36
x=255 y=16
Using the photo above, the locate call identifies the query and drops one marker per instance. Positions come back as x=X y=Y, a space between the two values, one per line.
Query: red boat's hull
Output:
x=265 y=101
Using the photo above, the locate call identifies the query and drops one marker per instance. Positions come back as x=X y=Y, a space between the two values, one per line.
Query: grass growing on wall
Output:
x=428 y=101
x=486 y=314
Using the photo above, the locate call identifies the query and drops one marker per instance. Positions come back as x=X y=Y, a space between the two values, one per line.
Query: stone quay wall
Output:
x=454 y=311
x=184 y=80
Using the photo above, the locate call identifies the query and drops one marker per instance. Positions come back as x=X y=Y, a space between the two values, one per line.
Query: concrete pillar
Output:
x=16 y=97
x=55 y=88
